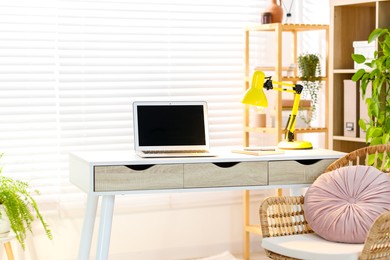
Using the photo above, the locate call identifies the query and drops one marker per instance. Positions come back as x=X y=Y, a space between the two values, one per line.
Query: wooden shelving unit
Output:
x=278 y=30
x=351 y=20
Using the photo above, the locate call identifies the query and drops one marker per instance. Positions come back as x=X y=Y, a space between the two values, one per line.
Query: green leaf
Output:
x=363 y=85
x=358 y=58
x=362 y=125
x=374 y=108
x=386 y=50
x=371 y=159
x=375 y=34
x=385 y=138
x=374 y=73
x=376 y=140
x=369 y=133
x=387 y=40
x=358 y=75
x=380 y=120
x=376 y=54
x=377 y=132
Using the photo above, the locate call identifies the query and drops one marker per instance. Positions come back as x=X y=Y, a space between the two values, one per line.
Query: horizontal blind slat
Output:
x=70 y=71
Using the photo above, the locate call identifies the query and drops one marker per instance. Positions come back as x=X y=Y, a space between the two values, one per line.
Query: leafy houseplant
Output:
x=310 y=75
x=20 y=207
x=378 y=105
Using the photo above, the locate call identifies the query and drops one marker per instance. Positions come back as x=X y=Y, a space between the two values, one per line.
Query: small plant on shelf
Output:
x=310 y=74
x=20 y=207
x=377 y=77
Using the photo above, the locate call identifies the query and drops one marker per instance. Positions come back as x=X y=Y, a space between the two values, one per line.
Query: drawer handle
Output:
x=308 y=162
x=226 y=164
x=140 y=167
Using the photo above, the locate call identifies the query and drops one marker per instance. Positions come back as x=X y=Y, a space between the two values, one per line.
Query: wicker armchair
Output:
x=281 y=217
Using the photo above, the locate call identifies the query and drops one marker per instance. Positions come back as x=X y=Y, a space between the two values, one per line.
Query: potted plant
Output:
x=378 y=105
x=19 y=207
x=310 y=74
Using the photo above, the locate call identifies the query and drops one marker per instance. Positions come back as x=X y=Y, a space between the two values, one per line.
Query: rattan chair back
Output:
x=377 y=244
x=375 y=155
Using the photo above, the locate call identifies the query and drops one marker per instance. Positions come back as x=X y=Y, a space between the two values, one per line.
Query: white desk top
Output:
x=224 y=154
x=82 y=163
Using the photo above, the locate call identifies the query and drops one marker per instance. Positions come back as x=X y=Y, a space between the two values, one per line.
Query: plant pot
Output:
x=260 y=120
x=5 y=226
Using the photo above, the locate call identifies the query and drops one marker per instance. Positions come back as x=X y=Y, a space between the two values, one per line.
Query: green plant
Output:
x=378 y=105
x=310 y=74
x=20 y=207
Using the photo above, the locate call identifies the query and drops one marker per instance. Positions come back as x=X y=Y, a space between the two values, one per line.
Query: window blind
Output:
x=70 y=71
x=28 y=110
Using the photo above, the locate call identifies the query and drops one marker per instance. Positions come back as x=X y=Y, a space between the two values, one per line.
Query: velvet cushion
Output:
x=341 y=205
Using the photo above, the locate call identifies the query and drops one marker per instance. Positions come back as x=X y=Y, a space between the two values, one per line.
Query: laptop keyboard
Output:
x=177 y=151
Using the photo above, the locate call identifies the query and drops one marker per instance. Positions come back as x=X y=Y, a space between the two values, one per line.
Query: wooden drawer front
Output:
x=225 y=174
x=296 y=172
x=149 y=177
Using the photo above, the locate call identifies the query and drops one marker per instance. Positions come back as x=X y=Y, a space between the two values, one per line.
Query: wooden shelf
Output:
x=311 y=130
x=278 y=70
x=272 y=130
x=344 y=71
x=293 y=79
x=355 y=3
x=296 y=79
x=286 y=27
x=253 y=229
x=262 y=130
x=349 y=139
x=351 y=20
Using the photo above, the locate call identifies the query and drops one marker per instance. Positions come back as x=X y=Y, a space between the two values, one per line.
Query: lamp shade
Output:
x=255 y=95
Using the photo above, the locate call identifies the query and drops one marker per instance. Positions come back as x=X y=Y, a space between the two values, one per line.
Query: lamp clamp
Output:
x=298 y=88
x=268 y=83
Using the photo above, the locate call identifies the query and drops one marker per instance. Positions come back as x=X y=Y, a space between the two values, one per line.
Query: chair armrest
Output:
x=376 y=155
x=282 y=216
x=377 y=244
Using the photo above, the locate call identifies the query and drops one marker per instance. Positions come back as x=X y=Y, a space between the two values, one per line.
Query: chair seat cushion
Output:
x=341 y=205
x=311 y=246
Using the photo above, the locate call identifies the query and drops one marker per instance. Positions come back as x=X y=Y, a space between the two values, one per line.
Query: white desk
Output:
x=108 y=174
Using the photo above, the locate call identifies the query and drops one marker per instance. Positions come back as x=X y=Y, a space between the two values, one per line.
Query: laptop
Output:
x=171 y=129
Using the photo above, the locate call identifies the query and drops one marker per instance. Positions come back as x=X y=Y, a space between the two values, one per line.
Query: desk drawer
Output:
x=138 y=177
x=296 y=172
x=202 y=175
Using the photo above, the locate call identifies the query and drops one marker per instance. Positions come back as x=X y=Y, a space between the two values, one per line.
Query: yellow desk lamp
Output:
x=255 y=96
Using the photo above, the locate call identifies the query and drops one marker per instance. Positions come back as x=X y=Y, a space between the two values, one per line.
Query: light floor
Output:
x=256 y=256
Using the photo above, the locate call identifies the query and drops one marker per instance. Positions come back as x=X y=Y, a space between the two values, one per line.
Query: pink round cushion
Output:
x=341 y=205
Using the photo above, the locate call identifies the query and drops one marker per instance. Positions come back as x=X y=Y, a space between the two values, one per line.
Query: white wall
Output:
x=180 y=226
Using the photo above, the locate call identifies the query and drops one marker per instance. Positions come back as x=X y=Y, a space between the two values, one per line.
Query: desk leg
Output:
x=105 y=227
x=246 y=214
x=8 y=250
x=88 y=225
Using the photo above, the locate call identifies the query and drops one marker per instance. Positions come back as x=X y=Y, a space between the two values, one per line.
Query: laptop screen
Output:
x=160 y=125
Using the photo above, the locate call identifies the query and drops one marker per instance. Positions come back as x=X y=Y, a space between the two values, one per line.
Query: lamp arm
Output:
x=290 y=126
